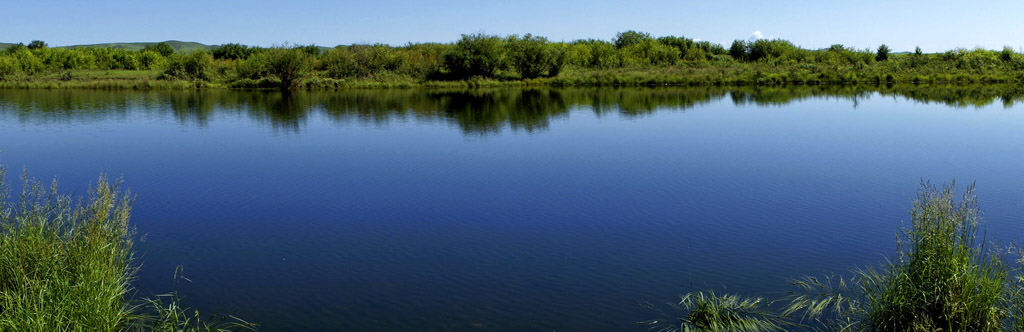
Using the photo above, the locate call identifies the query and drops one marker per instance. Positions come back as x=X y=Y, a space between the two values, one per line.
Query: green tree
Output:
x=1006 y=54
x=738 y=50
x=630 y=38
x=475 y=55
x=195 y=65
x=8 y=67
x=36 y=44
x=288 y=64
x=232 y=52
x=883 y=53
x=162 y=48
x=311 y=49
x=532 y=56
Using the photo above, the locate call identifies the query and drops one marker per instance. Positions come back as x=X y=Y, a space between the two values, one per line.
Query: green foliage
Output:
x=738 y=50
x=162 y=48
x=370 y=59
x=8 y=67
x=232 y=52
x=36 y=44
x=883 y=53
x=630 y=38
x=189 y=66
x=532 y=56
x=1007 y=54
x=682 y=44
x=30 y=64
x=708 y=312
x=771 y=49
x=649 y=52
x=476 y=55
x=339 y=62
x=942 y=278
x=15 y=48
x=311 y=50
x=150 y=60
x=623 y=61
x=67 y=263
x=288 y=65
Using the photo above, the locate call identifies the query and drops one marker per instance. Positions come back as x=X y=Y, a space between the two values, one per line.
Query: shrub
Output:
x=475 y=55
x=124 y=60
x=630 y=38
x=36 y=44
x=162 y=48
x=194 y=66
x=738 y=50
x=533 y=57
x=338 y=62
x=8 y=67
x=883 y=53
x=150 y=60
x=232 y=52
x=289 y=65
x=372 y=59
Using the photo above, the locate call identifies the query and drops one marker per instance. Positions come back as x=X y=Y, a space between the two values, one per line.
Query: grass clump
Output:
x=67 y=264
x=706 y=311
x=942 y=279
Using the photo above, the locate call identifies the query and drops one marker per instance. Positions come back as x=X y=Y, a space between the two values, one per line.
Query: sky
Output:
x=935 y=26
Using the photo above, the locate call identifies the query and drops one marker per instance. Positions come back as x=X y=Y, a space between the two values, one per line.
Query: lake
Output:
x=514 y=209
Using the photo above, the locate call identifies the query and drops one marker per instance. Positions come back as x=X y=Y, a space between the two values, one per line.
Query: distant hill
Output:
x=177 y=45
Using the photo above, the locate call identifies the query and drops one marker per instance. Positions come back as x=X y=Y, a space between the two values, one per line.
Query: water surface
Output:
x=513 y=209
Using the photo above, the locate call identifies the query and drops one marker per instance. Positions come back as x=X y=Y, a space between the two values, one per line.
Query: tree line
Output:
x=514 y=57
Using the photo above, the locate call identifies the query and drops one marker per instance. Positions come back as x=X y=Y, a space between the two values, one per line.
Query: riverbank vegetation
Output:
x=631 y=58
x=943 y=278
x=67 y=264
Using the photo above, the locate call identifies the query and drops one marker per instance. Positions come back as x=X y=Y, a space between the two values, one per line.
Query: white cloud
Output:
x=696 y=39
x=756 y=35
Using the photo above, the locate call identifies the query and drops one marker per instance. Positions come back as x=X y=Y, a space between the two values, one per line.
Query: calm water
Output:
x=513 y=210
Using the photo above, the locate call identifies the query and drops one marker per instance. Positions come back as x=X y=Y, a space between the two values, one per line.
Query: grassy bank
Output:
x=477 y=60
x=67 y=264
x=944 y=278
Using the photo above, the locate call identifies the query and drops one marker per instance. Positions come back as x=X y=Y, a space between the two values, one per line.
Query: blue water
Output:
x=508 y=210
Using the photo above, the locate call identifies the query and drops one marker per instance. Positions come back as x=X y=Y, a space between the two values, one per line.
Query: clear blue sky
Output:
x=933 y=25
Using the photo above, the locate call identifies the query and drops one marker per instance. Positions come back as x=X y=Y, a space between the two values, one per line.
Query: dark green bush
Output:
x=232 y=52
x=194 y=66
x=630 y=38
x=883 y=53
x=738 y=50
x=37 y=44
x=533 y=57
x=288 y=65
x=162 y=48
x=475 y=55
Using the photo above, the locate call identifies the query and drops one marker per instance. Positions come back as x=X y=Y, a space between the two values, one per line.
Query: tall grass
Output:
x=943 y=278
x=67 y=264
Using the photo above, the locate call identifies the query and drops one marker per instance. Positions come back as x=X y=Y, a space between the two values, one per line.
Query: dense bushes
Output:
x=632 y=57
x=533 y=56
x=476 y=55
x=190 y=66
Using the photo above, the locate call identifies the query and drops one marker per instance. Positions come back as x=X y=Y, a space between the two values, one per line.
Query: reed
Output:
x=67 y=264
